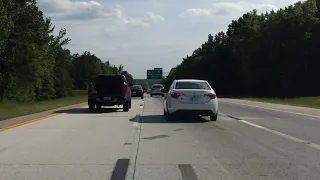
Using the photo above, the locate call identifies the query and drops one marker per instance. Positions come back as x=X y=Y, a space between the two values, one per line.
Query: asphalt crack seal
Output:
x=187 y=172
x=156 y=137
x=234 y=117
x=120 y=170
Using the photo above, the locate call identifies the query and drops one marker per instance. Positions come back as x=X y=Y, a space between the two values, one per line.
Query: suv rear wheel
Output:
x=126 y=106
x=91 y=108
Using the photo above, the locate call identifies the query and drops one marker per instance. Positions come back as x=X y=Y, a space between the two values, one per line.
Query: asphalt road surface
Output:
x=246 y=143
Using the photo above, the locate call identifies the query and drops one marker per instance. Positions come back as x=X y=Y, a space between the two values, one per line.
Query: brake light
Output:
x=176 y=95
x=212 y=96
x=125 y=87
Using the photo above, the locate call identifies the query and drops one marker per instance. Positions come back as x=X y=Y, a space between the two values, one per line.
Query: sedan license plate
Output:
x=107 y=98
x=194 y=98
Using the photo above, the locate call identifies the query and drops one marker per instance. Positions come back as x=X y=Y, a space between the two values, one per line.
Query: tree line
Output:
x=34 y=63
x=273 y=54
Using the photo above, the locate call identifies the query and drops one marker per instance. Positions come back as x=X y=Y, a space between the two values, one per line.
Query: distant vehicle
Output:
x=156 y=89
x=109 y=90
x=148 y=91
x=191 y=96
x=137 y=91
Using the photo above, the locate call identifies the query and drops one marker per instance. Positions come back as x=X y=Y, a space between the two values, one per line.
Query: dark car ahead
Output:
x=137 y=91
x=109 y=90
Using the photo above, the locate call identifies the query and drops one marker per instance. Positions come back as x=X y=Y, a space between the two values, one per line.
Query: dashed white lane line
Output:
x=316 y=146
x=136 y=121
x=303 y=114
x=142 y=104
x=310 y=144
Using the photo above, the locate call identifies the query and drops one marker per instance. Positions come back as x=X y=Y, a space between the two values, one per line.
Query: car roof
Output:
x=190 y=80
x=157 y=85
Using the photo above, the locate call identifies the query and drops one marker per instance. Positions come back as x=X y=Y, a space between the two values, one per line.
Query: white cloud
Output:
x=135 y=22
x=227 y=9
x=67 y=10
x=74 y=10
x=110 y=31
x=154 y=17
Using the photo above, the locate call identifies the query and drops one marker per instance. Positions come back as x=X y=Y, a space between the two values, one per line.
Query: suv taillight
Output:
x=125 y=87
x=212 y=96
x=176 y=95
x=90 y=88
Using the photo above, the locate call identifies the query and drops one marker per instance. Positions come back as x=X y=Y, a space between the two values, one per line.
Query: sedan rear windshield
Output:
x=192 y=85
x=157 y=86
x=136 y=87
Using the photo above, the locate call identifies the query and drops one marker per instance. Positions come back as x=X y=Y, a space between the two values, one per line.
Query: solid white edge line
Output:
x=316 y=146
x=273 y=109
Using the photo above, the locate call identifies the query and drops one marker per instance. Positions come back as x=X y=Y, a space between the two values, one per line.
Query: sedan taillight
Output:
x=212 y=96
x=176 y=95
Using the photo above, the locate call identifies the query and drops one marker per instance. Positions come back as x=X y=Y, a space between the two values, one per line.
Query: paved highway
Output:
x=246 y=143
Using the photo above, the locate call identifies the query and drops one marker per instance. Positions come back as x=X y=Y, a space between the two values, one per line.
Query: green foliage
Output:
x=273 y=54
x=34 y=64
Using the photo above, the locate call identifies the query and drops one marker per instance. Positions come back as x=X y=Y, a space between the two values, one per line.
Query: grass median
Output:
x=9 y=109
x=312 y=102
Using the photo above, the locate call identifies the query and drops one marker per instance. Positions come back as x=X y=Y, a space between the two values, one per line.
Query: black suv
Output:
x=109 y=90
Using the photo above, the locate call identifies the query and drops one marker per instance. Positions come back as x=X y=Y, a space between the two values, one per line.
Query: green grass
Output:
x=9 y=109
x=313 y=102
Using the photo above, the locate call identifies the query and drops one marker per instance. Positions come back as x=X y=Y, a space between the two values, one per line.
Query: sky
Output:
x=146 y=34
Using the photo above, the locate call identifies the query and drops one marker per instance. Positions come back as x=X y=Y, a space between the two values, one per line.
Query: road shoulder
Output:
x=276 y=107
x=22 y=119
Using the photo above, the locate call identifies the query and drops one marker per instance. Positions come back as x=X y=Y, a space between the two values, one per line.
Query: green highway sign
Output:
x=154 y=74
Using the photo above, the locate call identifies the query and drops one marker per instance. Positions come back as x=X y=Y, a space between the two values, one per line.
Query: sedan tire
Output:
x=214 y=117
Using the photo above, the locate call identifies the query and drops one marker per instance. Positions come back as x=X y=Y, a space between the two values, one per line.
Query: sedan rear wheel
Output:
x=214 y=117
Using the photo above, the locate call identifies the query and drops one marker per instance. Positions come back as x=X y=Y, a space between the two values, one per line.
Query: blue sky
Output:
x=144 y=34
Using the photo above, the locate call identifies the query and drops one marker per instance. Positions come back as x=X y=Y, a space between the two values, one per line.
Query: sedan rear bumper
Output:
x=206 y=109
x=187 y=112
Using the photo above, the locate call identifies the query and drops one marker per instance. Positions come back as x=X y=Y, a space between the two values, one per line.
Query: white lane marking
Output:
x=249 y=118
x=274 y=109
x=316 y=146
x=136 y=121
x=142 y=104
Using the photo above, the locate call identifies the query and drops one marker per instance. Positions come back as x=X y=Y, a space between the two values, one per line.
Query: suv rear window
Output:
x=192 y=85
x=109 y=84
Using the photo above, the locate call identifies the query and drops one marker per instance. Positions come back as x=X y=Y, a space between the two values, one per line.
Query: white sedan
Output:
x=191 y=96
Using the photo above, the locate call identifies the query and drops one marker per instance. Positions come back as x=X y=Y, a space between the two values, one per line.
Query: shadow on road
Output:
x=162 y=119
x=86 y=110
